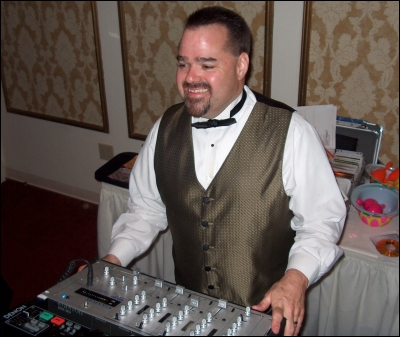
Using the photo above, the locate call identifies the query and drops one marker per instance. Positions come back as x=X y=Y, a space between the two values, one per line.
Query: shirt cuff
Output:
x=306 y=264
x=123 y=250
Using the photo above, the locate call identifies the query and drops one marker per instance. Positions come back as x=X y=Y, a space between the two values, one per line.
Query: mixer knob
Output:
x=86 y=304
x=112 y=281
x=158 y=307
x=145 y=318
x=209 y=317
x=106 y=270
x=239 y=321
x=123 y=278
x=186 y=310
x=151 y=312
x=180 y=315
x=137 y=299
x=174 y=320
x=247 y=311
x=130 y=304
x=203 y=323
x=197 y=330
x=229 y=332
x=122 y=311
x=143 y=296
x=126 y=288
x=135 y=280
x=164 y=302
x=234 y=327
x=168 y=327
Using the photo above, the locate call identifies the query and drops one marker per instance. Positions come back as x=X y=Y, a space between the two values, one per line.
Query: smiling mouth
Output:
x=196 y=91
x=196 y=88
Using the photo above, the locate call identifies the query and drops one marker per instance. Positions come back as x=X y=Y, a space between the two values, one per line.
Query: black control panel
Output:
x=31 y=320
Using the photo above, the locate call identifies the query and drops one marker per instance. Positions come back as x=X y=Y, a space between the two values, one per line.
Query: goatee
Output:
x=197 y=107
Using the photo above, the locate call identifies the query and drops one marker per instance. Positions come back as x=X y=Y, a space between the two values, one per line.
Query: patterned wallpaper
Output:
x=354 y=64
x=50 y=62
x=150 y=32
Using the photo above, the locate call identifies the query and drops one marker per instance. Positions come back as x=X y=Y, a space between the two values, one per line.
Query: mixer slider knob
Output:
x=164 y=302
x=168 y=327
x=186 y=310
x=112 y=281
x=122 y=311
x=151 y=312
x=234 y=327
x=135 y=280
x=143 y=295
x=180 y=315
x=239 y=321
x=197 y=330
x=209 y=317
x=247 y=311
x=203 y=323
x=145 y=318
x=106 y=270
x=130 y=304
x=158 y=307
x=136 y=300
x=174 y=320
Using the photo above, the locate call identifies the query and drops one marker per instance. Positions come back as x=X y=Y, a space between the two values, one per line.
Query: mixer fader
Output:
x=125 y=302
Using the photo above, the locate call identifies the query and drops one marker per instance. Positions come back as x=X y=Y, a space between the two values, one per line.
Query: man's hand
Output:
x=109 y=258
x=287 y=298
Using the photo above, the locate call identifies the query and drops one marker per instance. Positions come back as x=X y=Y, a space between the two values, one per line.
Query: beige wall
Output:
x=354 y=64
x=64 y=158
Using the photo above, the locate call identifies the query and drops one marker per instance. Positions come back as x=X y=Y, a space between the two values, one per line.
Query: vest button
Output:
x=207 y=268
x=206 y=200
x=206 y=247
x=211 y=287
x=204 y=223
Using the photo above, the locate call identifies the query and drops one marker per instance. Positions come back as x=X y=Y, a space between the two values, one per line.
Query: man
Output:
x=240 y=198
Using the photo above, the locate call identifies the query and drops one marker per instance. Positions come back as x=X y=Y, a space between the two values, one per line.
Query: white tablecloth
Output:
x=157 y=261
x=360 y=295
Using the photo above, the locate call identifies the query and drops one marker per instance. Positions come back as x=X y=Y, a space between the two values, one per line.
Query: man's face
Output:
x=209 y=77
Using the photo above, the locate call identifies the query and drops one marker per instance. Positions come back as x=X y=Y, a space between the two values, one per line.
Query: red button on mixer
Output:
x=57 y=320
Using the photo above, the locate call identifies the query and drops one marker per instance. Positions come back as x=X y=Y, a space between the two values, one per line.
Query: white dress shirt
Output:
x=315 y=199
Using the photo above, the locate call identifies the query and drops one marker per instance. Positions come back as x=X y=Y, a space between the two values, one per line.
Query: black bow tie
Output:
x=213 y=123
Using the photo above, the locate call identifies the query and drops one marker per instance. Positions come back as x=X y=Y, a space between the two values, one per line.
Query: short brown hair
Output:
x=239 y=35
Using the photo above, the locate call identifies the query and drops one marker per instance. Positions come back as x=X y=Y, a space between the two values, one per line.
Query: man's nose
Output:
x=193 y=75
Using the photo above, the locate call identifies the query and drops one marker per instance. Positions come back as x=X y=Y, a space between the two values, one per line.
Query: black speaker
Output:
x=6 y=296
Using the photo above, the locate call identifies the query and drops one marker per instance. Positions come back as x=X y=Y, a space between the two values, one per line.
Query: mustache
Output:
x=196 y=85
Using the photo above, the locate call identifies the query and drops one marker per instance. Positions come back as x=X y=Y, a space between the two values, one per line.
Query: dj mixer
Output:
x=116 y=301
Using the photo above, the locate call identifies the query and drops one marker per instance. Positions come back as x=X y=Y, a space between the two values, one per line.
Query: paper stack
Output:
x=348 y=164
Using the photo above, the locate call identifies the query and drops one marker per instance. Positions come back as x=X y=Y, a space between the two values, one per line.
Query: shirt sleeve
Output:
x=315 y=200
x=135 y=230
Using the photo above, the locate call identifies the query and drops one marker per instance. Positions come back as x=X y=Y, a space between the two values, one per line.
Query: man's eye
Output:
x=181 y=65
x=208 y=67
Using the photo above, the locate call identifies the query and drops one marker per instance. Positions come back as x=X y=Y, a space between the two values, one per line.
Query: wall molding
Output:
x=52 y=185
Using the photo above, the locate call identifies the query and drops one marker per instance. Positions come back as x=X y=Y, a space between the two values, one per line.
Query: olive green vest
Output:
x=232 y=240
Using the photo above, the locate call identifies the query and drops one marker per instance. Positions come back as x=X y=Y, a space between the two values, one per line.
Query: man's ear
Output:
x=242 y=65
